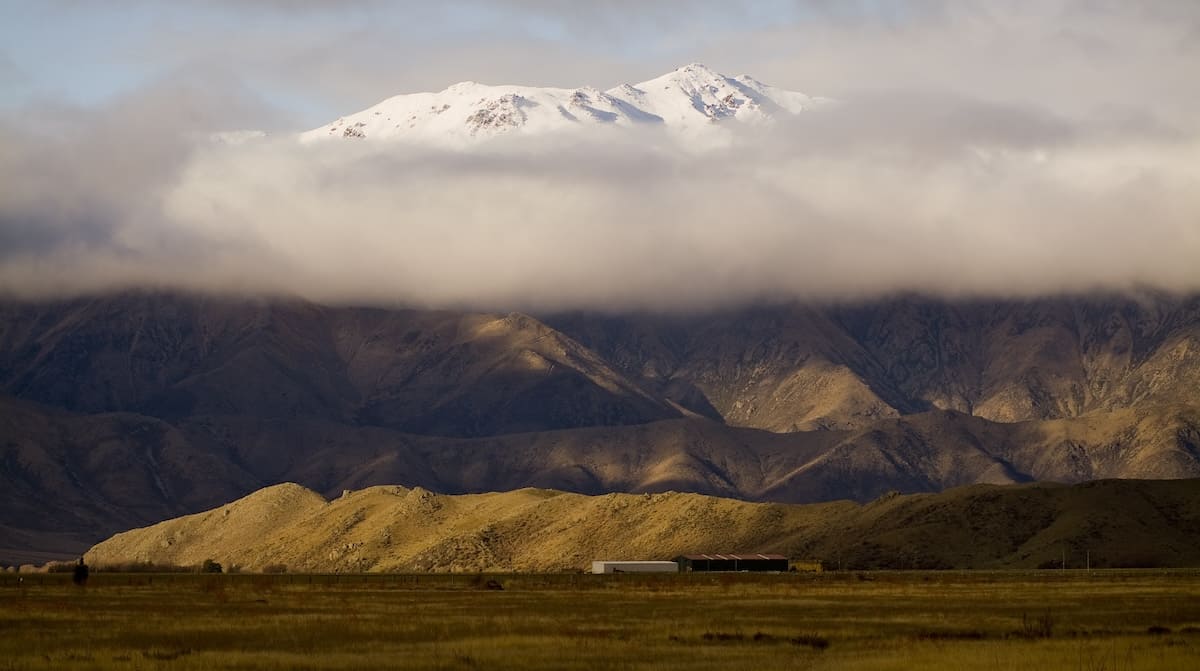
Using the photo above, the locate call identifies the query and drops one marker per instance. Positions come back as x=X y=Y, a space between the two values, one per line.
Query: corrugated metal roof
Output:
x=737 y=557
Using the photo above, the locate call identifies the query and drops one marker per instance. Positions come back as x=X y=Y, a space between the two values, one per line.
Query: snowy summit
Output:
x=692 y=102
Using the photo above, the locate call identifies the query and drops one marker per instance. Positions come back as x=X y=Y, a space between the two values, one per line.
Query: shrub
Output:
x=810 y=640
x=210 y=566
x=1039 y=626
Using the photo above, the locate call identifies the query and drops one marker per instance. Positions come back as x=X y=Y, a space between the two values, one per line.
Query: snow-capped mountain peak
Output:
x=692 y=102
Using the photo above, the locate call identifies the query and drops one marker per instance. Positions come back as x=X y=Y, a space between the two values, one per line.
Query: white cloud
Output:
x=941 y=195
x=1047 y=147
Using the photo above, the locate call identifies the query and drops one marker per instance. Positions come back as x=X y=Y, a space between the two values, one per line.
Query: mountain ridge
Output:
x=98 y=474
x=691 y=103
x=391 y=528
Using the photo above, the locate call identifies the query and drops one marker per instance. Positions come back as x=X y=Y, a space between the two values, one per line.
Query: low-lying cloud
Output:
x=892 y=192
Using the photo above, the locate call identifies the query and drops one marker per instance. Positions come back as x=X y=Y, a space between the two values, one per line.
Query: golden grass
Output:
x=1103 y=621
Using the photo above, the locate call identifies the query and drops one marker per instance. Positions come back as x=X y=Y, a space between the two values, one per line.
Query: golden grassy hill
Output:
x=1115 y=523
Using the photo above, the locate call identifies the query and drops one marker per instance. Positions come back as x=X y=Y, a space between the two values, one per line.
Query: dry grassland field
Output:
x=1097 y=621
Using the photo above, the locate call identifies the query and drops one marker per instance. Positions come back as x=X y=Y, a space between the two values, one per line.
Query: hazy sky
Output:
x=978 y=147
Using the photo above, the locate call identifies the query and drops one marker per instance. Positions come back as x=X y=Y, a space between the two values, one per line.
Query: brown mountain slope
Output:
x=916 y=453
x=66 y=478
x=782 y=369
x=790 y=367
x=1114 y=523
x=427 y=372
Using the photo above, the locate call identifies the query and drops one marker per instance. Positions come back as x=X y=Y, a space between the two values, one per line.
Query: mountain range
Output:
x=123 y=410
x=692 y=103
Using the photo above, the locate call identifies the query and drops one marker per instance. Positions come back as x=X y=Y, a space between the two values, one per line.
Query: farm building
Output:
x=634 y=567
x=738 y=562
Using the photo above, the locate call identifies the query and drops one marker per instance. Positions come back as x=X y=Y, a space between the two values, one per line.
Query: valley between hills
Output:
x=125 y=410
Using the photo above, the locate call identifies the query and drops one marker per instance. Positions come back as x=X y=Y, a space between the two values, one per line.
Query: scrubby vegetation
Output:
x=1114 y=620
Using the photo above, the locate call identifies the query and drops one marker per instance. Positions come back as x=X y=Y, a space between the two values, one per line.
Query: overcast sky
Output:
x=1006 y=147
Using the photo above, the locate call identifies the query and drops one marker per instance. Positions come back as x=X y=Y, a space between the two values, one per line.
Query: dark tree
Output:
x=80 y=575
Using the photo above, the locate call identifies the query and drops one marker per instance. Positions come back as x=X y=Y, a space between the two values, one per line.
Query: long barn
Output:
x=734 y=562
x=634 y=567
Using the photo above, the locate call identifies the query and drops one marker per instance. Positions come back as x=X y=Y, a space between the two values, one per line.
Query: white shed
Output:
x=635 y=567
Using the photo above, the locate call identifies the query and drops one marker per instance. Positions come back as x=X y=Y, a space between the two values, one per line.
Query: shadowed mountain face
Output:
x=125 y=410
x=422 y=372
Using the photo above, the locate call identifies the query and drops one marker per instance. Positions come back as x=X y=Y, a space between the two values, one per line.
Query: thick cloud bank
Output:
x=889 y=193
x=978 y=148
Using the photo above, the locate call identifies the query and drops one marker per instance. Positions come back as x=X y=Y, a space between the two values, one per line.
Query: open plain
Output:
x=1048 y=619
